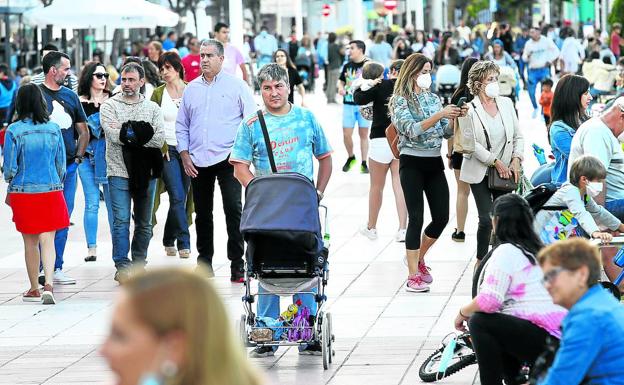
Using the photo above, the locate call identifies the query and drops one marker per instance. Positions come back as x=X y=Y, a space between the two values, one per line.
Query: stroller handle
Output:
x=323 y=208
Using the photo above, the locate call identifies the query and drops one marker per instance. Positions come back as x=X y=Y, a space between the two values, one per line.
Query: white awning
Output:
x=72 y=14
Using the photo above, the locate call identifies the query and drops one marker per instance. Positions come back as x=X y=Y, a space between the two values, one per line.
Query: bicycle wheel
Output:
x=463 y=357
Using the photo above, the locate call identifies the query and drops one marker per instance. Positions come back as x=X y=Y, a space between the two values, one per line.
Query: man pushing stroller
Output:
x=295 y=137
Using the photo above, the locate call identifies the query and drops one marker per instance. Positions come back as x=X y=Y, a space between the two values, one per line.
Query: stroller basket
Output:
x=281 y=225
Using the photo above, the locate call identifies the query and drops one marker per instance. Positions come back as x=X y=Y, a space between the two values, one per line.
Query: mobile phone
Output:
x=461 y=101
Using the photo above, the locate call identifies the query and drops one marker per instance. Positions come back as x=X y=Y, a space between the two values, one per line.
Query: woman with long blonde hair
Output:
x=170 y=327
x=422 y=123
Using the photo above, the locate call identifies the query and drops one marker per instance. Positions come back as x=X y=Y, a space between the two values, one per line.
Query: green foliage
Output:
x=474 y=6
x=617 y=12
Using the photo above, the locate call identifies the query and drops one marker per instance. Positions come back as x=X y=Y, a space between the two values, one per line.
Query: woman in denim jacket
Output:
x=93 y=91
x=422 y=123
x=34 y=167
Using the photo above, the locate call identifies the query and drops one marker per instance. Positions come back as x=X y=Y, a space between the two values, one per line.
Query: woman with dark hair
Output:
x=174 y=179
x=152 y=78
x=592 y=344
x=421 y=123
x=512 y=315
x=93 y=91
x=568 y=110
x=402 y=50
x=34 y=168
x=446 y=53
x=294 y=80
x=455 y=159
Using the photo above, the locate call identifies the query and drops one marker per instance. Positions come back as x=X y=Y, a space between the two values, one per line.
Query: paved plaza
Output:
x=383 y=333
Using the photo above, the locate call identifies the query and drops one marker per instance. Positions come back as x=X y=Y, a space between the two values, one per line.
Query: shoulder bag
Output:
x=495 y=182
x=392 y=135
x=267 y=141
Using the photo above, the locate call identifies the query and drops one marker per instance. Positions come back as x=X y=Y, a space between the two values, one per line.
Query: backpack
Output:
x=539 y=195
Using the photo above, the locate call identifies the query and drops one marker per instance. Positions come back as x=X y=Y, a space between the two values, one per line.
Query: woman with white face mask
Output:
x=587 y=175
x=498 y=145
x=422 y=123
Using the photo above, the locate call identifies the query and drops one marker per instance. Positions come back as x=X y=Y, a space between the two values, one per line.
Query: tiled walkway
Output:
x=382 y=332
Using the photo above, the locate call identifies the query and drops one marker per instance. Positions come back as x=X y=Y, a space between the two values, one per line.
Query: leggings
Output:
x=484 y=198
x=418 y=175
x=503 y=343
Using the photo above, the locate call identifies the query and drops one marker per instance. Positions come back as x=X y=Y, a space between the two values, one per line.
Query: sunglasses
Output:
x=552 y=275
x=100 y=75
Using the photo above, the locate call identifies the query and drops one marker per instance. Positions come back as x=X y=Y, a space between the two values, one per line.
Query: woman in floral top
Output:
x=422 y=123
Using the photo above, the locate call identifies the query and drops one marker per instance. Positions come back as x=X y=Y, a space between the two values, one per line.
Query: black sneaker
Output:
x=458 y=236
x=349 y=164
x=262 y=351
x=90 y=258
x=237 y=276
x=313 y=349
x=363 y=168
x=41 y=279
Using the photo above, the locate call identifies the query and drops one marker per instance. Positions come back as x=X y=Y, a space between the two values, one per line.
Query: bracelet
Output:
x=460 y=313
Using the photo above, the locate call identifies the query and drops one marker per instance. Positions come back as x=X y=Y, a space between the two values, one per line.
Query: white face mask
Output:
x=492 y=90
x=424 y=81
x=594 y=188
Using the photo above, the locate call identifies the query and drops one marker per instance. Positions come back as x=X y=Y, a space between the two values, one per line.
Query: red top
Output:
x=615 y=44
x=546 y=101
x=192 y=67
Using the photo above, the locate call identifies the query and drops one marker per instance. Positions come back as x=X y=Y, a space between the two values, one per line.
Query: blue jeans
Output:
x=86 y=172
x=177 y=184
x=69 y=192
x=616 y=207
x=269 y=305
x=536 y=75
x=121 y=202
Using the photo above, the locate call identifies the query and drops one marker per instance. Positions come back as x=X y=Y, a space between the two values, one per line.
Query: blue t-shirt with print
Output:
x=295 y=137
x=65 y=110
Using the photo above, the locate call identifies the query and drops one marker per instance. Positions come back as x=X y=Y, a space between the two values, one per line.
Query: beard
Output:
x=128 y=93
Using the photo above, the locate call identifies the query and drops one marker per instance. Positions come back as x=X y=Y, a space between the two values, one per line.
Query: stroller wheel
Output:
x=325 y=342
x=332 y=338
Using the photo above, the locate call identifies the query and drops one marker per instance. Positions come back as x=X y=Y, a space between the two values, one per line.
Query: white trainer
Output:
x=61 y=278
x=400 y=235
x=369 y=233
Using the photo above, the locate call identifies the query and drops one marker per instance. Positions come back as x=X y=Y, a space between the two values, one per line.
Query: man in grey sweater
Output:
x=128 y=105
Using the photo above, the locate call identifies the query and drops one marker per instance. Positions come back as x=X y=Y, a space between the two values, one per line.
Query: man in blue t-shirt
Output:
x=66 y=111
x=295 y=137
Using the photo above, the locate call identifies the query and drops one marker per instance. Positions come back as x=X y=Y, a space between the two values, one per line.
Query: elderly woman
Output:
x=170 y=327
x=512 y=314
x=592 y=345
x=498 y=145
x=422 y=123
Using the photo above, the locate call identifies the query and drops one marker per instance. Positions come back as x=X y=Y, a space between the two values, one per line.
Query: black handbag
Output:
x=495 y=182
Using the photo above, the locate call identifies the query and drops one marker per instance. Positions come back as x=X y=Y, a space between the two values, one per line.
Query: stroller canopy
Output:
x=280 y=202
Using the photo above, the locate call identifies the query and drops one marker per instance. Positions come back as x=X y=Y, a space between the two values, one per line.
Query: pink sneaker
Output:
x=416 y=284
x=424 y=271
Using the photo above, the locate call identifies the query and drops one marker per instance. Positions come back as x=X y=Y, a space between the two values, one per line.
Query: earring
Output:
x=169 y=368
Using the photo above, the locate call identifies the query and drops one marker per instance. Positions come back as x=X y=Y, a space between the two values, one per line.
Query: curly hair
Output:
x=477 y=74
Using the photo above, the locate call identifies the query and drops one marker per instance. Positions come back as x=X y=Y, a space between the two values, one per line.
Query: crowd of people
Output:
x=178 y=115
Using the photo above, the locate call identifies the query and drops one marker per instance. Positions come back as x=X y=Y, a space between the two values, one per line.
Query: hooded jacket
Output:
x=116 y=111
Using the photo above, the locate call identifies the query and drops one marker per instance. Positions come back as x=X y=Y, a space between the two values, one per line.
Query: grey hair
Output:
x=214 y=43
x=134 y=67
x=273 y=72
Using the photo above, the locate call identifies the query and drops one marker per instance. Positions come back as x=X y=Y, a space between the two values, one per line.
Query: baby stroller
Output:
x=305 y=67
x=507 y=82
x=447 y=81
x=287 y=254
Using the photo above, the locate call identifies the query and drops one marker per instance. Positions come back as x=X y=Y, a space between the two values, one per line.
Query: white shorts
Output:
x=379 y=151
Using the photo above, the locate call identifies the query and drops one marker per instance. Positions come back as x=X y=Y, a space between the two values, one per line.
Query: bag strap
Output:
x=267 y=141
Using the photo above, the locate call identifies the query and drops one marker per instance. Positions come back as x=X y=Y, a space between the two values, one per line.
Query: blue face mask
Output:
x=150 y=379
x=263 y=33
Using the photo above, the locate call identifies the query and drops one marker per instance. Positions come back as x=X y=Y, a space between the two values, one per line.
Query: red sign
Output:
x=390 y=4
x=326 y=9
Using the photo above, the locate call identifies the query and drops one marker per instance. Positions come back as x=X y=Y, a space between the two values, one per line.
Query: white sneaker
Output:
x=61 y=279
x=369 y=233
x=535 y=113
x=171 y=251
x=400 y=235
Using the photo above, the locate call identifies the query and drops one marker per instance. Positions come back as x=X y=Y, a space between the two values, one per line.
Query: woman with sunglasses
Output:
x=512 y=315
x=93 y=90
x=282 y=58
x=592 y=345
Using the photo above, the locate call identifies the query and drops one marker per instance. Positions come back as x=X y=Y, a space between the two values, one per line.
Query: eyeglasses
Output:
x=101 y=75
x=552 y=275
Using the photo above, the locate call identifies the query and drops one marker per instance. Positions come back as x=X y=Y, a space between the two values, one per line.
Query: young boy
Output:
x=546 y=99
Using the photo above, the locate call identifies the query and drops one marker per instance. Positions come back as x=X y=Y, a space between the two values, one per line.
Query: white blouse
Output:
x=170 y=109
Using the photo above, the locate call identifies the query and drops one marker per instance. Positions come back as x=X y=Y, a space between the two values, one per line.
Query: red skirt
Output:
x=36 y=213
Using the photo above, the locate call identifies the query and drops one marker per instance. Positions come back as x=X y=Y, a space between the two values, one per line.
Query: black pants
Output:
x=503 y=343
x=418 y=175
x=203 y=196
x=484 y=198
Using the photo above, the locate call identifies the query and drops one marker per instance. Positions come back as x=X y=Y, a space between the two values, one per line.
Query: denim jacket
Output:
x=34 y=157
x=407 y=116
x=97 y=148
x=560 y=141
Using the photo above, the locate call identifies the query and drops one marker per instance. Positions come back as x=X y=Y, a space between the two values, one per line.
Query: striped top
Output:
x=512 y=285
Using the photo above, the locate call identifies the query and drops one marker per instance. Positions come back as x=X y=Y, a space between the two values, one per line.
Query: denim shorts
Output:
x=351 y=115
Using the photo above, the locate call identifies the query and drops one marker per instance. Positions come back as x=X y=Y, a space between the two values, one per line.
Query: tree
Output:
x=617 y=12
x=181 y=7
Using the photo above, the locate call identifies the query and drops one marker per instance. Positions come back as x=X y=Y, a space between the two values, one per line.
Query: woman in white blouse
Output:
x=168 y=97
x=498 y=145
